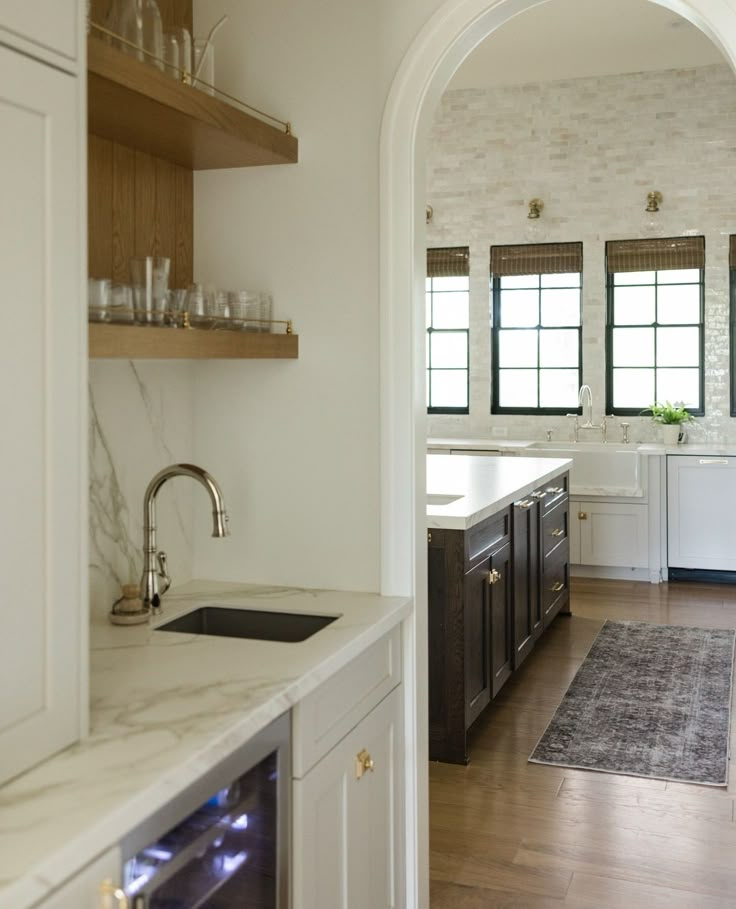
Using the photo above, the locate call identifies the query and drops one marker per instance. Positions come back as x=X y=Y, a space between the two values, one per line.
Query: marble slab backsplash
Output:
x=492 y=150
x=140 y=420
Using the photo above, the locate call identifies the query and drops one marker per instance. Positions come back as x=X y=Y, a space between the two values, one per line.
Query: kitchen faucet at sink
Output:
x=585 y=402
x=154 y=561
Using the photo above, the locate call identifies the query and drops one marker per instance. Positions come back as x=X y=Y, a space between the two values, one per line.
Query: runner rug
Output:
x=648 y=700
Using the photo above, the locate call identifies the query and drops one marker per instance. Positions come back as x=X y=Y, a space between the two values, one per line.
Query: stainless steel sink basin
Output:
x=249 y=623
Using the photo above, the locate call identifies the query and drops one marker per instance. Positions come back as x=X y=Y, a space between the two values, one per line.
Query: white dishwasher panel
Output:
x=701 y=512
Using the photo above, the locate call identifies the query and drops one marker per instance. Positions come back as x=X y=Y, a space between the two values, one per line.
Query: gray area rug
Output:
x=648 y=700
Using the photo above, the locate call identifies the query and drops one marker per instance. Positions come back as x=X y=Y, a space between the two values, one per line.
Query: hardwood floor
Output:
x=506 y=833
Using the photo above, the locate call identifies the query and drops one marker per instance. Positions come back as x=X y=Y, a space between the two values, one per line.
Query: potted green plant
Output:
x=671 y=416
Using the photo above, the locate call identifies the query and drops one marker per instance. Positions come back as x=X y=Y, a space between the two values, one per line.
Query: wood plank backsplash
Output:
x=138 y=205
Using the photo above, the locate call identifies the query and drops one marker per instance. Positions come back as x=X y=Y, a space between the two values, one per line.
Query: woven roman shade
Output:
x=655 y=254
x=732 y=251
x=448 y=262
x=537 y=259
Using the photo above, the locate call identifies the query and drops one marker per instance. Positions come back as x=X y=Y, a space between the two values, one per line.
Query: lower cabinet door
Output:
x=88 y=889
x=528 y=622
x=501 y=622
x=478 y=671
x=347 y=835
x=612 y=534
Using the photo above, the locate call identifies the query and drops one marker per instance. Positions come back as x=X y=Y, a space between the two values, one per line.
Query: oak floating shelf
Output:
x=131 y=342
x=139 y=106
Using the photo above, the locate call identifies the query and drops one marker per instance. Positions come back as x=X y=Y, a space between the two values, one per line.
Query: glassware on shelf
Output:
x=184 y=40
x=98 y=299
x=204 y=65
x=150 y=278
x=139 y=22
x=172 y=63
x=121 y=303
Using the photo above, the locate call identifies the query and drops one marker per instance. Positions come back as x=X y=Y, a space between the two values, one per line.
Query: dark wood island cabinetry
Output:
x=493 y=590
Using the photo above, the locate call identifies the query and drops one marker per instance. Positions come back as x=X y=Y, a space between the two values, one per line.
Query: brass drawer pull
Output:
x=557 y=587
x=494 y=576
x=363 y=763
x=538 y=495
x=429 y=536
x=582 y=515
x=555 y=490
x=109 y=892
x=525 y=503
x=557 y=532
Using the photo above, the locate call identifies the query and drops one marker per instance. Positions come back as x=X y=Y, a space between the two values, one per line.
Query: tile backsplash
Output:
x=591 y=149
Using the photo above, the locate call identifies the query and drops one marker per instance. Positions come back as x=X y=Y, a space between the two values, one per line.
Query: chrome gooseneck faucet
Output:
x=154 y=561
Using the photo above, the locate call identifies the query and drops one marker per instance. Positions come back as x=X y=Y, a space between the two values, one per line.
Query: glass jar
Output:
x=139 y=22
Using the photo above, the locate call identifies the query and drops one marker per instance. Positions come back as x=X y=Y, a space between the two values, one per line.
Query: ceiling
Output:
x=570 y=39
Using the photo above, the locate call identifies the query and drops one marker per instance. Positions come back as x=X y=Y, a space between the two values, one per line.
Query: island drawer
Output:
x=554 y=492
x=322 y=718
x=488 y=536
x=555 y=586
x=555 y=530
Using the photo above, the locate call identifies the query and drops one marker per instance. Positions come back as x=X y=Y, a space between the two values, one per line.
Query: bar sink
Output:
x=254 y=624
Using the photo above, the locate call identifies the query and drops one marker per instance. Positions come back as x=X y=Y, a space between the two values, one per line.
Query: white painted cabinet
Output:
x=701 y=495
x=85 y=889
x=347 y=819
x=609 y=534
x=46 y=28
x=42 y=347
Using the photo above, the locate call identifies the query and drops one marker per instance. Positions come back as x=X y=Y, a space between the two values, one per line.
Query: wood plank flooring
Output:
x=506 y=833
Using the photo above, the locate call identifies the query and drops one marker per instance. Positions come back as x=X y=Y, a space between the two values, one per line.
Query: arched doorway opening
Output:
x=449 y=36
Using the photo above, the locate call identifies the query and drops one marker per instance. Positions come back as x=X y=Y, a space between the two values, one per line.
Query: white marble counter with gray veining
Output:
x=480 y=487
x=165 y=707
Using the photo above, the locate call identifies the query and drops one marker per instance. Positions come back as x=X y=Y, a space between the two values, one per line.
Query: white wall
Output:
x=591 y=149
x=295 y=445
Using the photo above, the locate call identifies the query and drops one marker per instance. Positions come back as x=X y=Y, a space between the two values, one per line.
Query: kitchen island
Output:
x=165 y=708
x=498 y=575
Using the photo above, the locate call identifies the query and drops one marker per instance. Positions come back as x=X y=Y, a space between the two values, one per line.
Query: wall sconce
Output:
x=651 y=225
x=535 y=209
x=654 y=199
x=430 y=213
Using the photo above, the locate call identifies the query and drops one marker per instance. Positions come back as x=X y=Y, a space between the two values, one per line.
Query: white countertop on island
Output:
x=484 y=486
x=165 y=708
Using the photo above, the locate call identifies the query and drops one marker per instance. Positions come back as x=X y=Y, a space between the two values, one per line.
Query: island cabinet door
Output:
x=528 y=618
x=478 y=669
x=500 y=590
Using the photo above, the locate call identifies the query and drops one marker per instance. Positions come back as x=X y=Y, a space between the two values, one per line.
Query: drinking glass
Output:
x=266 y=311
x=171 y=55
x=184 y=39
x=204 y=65
x=121 y=303
x=150 y=279
x=98 y=299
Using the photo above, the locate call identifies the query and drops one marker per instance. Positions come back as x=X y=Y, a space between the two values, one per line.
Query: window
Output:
x=536 y=333
x=448 y=313
x=654 y=334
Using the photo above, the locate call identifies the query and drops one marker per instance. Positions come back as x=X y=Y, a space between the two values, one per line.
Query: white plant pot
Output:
x=671 y=433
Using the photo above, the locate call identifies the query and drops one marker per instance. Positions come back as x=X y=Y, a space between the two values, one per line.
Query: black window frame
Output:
x=430 y=330
x=496 y=408
x=610 y=366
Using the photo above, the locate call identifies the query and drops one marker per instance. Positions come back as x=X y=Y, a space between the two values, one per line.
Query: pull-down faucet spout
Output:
x=154 y=561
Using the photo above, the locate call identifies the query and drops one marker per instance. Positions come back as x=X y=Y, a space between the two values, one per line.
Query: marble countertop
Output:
x=165 y=707
x=702 y=449
x=483 y=485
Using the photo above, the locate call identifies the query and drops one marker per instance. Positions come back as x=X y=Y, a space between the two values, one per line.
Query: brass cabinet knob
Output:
x=557 y=532
x=429 y=536
x=363 y=763
x=112 y=897
x=494 y=576
x=582 y=515
x=557 y=587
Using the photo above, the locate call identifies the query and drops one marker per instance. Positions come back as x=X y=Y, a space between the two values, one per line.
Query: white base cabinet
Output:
x=610 y=534
x=347 y=819
x=85 y=889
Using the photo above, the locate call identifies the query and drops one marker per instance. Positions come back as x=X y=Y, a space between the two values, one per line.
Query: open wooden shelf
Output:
x=139 y=106
x=131 y=342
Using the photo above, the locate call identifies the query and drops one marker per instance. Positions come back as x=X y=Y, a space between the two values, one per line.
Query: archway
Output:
x=447 y=38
